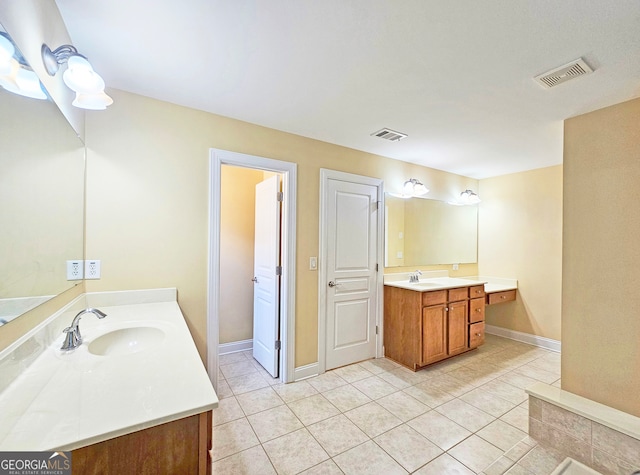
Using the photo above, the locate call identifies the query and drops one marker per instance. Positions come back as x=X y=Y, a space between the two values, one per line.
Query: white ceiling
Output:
x=456 y=76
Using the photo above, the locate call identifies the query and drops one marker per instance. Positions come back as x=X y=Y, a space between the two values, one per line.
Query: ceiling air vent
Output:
x=564 y=73
x=389 y=134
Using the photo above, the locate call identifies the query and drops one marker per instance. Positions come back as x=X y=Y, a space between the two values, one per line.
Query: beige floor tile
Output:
x=295 y=452
x=488 y=403
x=353 y=373
x=252 y=461
x=499 y=466
x=328 y=467
x=502 y=435
x=372 y=368
x=375 y=387
x=337 y=434
x=451 y=385
x=518 y=451
x=246 y=383
x=230 y=358
x=475 y=453
x=384 y=363
x=346 y=397
x=514 y=378
x=274 y=423
x=403 y=406
x=228 y=410
x=411 y=377
x=532 y=371
x=408 y=447
x=505 y=391
x=373 y=419
x=438 y=429
x=224 y=391
x=294 y=391
x=428 y=395
x=518 y=418
x=541 y=460
x=231 y=438
x=240 y=368
x=259 y=400
x=466 y=415
x=313 y=409
x=368 y=459
x=444 y=465
x=396 y=381
x=326 y=381
x=519 y=470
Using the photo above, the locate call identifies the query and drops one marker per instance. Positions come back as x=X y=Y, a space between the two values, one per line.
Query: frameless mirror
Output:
x=42 y=164
x=421 y=232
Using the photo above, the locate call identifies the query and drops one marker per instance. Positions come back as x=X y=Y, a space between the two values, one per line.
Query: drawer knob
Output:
x=478 y=334
x=478 y=310
x=503 y=297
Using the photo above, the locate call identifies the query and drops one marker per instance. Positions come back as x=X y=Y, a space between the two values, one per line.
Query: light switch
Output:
x=399 y=255
x=313 y=263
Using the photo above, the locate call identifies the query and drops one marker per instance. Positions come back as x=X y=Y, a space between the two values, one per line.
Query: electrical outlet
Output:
x=313 y=263
x=75 y=270
x=456 y=266
x=92 y=269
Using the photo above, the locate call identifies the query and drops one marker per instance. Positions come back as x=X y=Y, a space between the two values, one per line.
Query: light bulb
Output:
x=98 y=101
x=7 y=50
x=81 y=78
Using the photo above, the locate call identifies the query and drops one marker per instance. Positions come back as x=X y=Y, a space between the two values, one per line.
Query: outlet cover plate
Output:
x=92 y=269
x=75 y=270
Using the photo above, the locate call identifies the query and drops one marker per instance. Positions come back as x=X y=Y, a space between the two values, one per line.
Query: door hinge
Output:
x=278 y=344
x=280 y=196
x=376 y=267
x=377 y=330
x=278 y=270
x=378 y=203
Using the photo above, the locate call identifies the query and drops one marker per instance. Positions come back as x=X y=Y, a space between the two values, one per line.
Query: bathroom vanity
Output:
x=134 y=397
x=429 y=322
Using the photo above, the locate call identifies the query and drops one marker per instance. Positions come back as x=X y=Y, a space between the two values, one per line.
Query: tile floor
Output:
x=466 y=415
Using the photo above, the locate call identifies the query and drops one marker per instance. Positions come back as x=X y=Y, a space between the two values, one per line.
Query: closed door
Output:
x=434 y=333
x=266 y=276
x=457 y=327
x=351 y=250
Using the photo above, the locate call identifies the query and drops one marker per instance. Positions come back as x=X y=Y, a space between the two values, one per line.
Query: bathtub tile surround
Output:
x=462 y=416
x=598 y=436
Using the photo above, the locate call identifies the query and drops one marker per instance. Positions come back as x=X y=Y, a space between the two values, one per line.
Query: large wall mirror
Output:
x=42 y=163
x=421 y=232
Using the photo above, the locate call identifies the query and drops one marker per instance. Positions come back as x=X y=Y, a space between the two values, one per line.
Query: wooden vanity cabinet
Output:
x=181 y=446
x=421 y=328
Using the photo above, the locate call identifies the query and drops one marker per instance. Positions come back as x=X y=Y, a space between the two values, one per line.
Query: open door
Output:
x=266 y=267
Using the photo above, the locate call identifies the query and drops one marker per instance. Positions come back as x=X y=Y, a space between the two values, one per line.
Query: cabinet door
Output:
x=434 y=334
x=476 y=309
x=476 y=334
x=457 y=327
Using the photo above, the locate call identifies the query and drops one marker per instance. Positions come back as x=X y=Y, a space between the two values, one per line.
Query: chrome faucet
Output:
x=74 y=339
x=415 y=277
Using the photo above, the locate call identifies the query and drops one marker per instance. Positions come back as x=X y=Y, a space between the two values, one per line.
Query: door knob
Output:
x=255 y=280
x=333 y=284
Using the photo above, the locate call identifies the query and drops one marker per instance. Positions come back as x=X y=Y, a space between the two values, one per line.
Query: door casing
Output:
x=288 y=170
x=325 y=176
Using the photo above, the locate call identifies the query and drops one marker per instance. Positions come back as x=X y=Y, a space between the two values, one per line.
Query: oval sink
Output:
x=126 y=341
x=426 y=285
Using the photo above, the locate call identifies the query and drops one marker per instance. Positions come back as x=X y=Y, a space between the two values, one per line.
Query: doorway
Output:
x=219 y=265
x=350 y=283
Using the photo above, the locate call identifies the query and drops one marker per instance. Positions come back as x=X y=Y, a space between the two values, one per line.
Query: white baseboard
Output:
x=234 y=347
x=539 y=341
x=306 y=371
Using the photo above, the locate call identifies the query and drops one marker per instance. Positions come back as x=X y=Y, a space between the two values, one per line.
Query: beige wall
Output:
x=520 y=236
x=237 y=226
x=601 y=260
x=147 y=212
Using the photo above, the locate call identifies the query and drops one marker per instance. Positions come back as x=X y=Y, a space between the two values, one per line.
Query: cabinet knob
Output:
x=478 y=334
x=478 y=310
x=503 y=297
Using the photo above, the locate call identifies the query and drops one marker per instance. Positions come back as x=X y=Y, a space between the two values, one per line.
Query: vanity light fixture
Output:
x=468 y=197
x=413 y=187
x=15 y=75
x=79 y=76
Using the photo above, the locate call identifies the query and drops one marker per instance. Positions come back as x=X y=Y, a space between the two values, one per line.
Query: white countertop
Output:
x=64 y=401
x=439 y=280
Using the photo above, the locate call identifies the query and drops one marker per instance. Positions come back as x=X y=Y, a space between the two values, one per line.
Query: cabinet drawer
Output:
x=476 y=291
x=455 y=295
x=476 y=310
x=499 y=297
x=436 y=297
x=476 y=334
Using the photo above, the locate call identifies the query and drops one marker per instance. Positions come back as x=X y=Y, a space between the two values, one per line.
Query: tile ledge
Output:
x=613 y=418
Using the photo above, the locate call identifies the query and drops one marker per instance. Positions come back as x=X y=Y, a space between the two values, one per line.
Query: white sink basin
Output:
x=125 y=341
x=425 y=285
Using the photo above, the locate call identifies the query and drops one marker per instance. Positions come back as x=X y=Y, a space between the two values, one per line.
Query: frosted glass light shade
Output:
x=81 y=78
x=98 y=101
x=468 y=197
x=413 y=187
x=7 y=50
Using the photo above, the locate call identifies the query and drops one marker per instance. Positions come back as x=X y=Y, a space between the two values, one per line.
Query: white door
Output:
x=266 y=281
x=351 y=258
